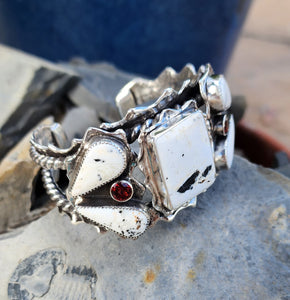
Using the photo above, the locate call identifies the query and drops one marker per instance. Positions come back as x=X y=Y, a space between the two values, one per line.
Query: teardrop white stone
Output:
x=126 y=221
x=103 y=162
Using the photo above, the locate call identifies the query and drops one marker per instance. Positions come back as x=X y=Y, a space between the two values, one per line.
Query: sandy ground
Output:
x=260 y=68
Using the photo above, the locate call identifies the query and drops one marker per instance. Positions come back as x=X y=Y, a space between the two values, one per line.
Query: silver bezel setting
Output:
x=149 y=159
x=122 y=181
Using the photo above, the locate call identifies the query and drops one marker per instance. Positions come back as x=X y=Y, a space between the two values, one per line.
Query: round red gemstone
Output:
x=121 y=191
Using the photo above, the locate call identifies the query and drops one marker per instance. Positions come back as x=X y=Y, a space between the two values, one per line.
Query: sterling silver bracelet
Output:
x=176 y=130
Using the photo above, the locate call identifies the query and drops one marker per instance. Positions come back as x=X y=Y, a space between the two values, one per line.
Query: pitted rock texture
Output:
x=234 y=245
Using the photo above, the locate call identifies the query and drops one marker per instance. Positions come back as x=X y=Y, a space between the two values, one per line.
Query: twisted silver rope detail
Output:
x=47 y=162
x=56 y=195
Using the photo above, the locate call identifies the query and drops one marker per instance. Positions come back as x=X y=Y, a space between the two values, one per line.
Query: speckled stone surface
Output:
x=234 y=245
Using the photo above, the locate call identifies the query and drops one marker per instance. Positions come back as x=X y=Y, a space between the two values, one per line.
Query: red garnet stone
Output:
x=121 y=191
x=226 y=126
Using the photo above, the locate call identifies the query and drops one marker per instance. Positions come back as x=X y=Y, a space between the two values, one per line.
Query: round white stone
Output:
x=103 y=162
x=218 y=93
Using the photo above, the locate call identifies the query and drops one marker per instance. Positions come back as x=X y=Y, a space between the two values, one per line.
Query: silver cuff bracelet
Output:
x=176 y=130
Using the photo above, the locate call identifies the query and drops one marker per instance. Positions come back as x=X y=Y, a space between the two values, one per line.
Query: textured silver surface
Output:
x=140 y=90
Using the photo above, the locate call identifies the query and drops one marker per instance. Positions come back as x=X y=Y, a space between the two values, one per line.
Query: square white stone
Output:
x=185 y=158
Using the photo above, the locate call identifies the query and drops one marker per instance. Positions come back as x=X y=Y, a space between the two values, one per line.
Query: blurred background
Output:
x=260 y=70
x=248 y=40
x=137 y=36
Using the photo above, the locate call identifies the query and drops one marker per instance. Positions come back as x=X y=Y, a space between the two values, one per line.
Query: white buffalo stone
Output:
x=230 y=143
x=218 y=92
x=185 y=158
x=103 y=162
x=127 y=221
x=224 y=151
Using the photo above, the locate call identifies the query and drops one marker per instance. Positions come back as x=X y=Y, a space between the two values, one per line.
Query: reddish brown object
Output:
x=258 y=146
x=121 y=191
x=226 y=126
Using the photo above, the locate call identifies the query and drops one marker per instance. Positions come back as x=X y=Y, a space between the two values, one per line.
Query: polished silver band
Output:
x=178 y=143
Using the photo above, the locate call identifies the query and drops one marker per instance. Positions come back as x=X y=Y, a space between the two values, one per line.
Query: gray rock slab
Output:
x=30 y=89
x=98 y=88
x=17 y=186
x=77 y=120
x=22 y=198
x=234 y=245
